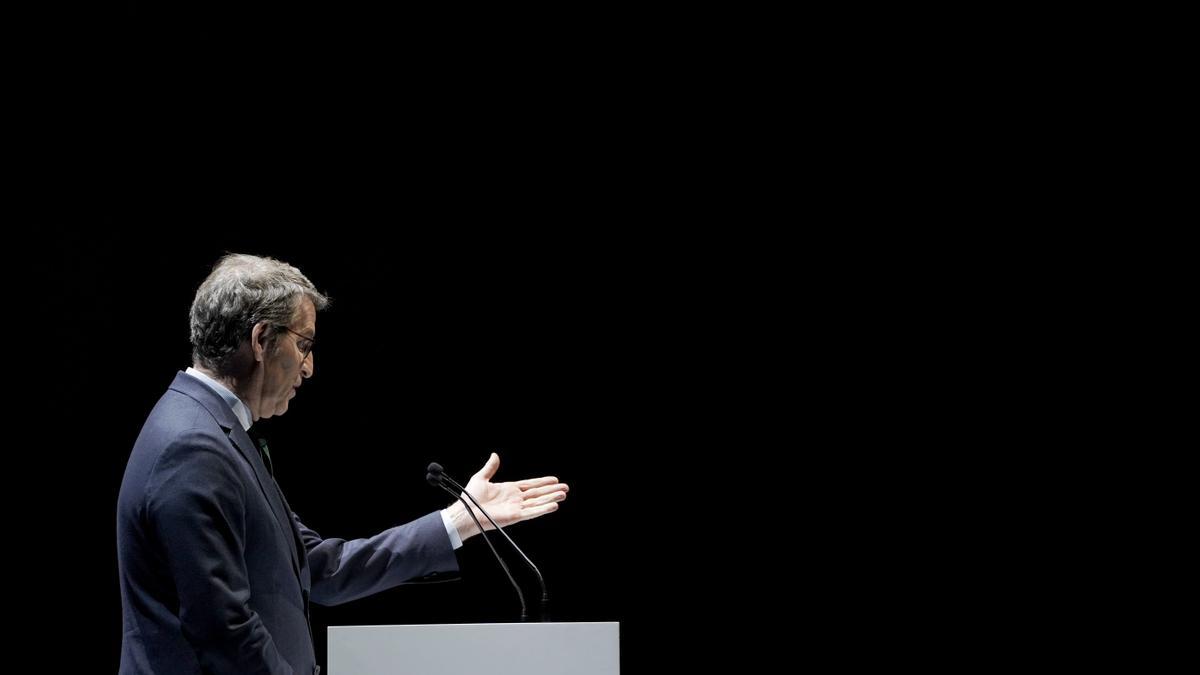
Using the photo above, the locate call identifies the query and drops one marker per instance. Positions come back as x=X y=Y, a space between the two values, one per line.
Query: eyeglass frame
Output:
x=312 y=341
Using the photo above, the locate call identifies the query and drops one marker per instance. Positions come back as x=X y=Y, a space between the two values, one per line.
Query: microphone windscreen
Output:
x=435 y=468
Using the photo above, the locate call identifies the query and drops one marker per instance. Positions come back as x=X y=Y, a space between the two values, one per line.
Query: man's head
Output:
x=253 y=322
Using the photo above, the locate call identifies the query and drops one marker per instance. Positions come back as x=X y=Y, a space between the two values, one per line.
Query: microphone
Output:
x=436 y=469
x=435 y=479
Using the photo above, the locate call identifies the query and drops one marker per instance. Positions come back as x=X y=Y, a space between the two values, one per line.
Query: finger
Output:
x=529 y=483
x=539 y=491
x=489 y=469
x=537 y=511
x=544 y=499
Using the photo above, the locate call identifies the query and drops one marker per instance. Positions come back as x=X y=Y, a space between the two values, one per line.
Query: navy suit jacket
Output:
x=216 y=571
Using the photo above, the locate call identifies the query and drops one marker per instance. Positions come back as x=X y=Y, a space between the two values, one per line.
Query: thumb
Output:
x=489 y=469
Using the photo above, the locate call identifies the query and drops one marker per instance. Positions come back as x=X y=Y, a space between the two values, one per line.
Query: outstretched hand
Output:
x=513 y=502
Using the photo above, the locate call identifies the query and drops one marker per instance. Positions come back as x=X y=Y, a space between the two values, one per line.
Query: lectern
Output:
x=575 y=648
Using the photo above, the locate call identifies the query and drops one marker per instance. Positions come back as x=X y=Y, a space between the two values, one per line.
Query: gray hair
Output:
x=241 y=291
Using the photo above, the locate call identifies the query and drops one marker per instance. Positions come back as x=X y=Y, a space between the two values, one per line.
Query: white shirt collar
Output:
x=240 y=409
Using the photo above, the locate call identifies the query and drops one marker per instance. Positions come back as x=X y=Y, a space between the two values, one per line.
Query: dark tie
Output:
x=266 y=454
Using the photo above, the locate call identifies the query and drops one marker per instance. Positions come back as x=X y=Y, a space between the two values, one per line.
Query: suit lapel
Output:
x=270 y=490
x=305 y=582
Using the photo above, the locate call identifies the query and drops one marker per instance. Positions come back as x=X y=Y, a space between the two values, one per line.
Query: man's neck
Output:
x=229 y=382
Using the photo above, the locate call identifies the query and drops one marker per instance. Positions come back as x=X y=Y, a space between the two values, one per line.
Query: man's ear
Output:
x=258 y=341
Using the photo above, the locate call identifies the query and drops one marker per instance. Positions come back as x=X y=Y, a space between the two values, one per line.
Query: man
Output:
x=216 y=571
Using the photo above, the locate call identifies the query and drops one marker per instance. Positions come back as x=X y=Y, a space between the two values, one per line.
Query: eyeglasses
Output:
x=304 y=344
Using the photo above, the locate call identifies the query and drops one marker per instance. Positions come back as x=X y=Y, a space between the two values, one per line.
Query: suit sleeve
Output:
x=347 y=570
x=196 y=506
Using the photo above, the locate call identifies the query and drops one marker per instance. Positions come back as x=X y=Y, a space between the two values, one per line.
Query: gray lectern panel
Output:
x=492 y=648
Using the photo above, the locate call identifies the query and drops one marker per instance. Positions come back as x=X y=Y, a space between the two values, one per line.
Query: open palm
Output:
x=514 y=502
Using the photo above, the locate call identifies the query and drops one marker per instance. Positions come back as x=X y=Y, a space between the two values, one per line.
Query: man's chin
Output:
x=274 y=413
x=280 y=408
